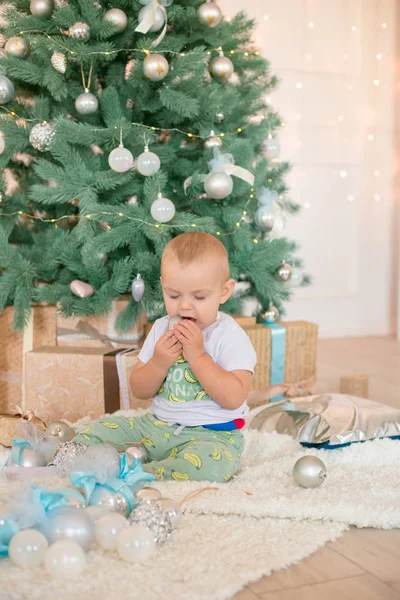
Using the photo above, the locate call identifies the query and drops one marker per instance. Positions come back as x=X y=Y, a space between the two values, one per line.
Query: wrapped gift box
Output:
x=41 y=330
x=99 y=331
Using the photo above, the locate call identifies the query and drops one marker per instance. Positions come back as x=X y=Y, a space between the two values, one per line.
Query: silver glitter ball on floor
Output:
x=42 y=135
x=172 y=509
x=65 y=457
x=155 y=518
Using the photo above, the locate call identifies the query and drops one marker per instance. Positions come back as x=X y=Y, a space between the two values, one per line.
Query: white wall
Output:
x=339 y=137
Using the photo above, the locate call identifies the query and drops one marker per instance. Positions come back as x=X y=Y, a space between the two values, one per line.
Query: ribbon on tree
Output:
x=149 y=20
x=222 y=163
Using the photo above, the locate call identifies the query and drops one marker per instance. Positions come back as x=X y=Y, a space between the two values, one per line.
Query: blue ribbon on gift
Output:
x=8 y=528
x=18 y=446
x=278 y=350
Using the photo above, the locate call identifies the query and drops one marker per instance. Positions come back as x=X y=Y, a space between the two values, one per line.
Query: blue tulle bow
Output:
x=57 y=499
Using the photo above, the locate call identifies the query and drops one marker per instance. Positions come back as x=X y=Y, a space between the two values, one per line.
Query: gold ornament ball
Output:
x=117 y=17
x=17 y=46
x=41 y=8
x=80 y=31
x=209 y=14
x=155 y=67
x=221 y=68
x=285 y=272
x=213 y=142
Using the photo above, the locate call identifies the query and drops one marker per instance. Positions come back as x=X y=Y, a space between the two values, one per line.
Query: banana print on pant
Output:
x=196 y=454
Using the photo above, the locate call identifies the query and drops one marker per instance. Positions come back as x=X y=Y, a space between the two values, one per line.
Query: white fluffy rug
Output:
x=258 y=523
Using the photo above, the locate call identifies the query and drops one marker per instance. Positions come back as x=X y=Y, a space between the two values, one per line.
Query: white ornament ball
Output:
x=159 y=17
x=264 y=218
x=174 y=321
x=271 y=148
x=41 y=8
x=117 y=17
x=107 y=530
x=120 y=159
x=6 y=89
x=86 y=103
x=309 y=471
x=218 y=185
x=148 y=163
x=155 y=67
x=95 y=513
x=81 y=288
x=137 y=288
x=65 y=560
x=80 y=31
x=27 y=548
x=135 y=543
x=32 y=458
x=147 y=494
x=268 y=197
x=61 y=430
x=17 y=46
x=209 y=14
x=162 y=210
x=69 y=523
x=2 y=143
x=221 y=68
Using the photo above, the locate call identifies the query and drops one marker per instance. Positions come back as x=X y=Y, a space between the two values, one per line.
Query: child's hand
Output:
x=167 y=351
x=191 y=338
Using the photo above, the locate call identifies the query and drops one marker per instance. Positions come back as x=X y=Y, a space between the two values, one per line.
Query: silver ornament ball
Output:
x=267 y=197
x=221 y=68
x=120 y=159
x=109 y=500
x=218 y=185
x=173 y=321
x=209 y=14
x=172 y=509
x=285 y=272
x=17 y=46
x=68 y=523
x=148 y=163
x=61 y=430
x=264 y=218
x=158 y=20
x=136 y=452
x=270 y=148
x=162 y=210
x=147 y=494
x=309 y=471
x=32 y=458
x=213 y=142
x=137 y=288
x=41 y=8
x=6 y=90
x=86 y=103
x=80 y=31
x=155 y=67
x=154 y=517
x=271 y=315
x=41 y=136
x=219 y=117
x=65 y=456
x=117 y=17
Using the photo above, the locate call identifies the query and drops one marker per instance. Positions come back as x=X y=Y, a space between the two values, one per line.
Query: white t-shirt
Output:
x=181 y=399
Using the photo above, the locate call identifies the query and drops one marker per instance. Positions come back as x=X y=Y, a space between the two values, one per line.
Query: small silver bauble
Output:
x=309 y=471
x=41 y=136
x=6 y=89
x=285 y=272
x=173 y=321
x=158 y=20
x=264 y=218
x=172 y=509
x=155 y=67
x=17 y=46
x=59 y=61
x=209 y=14
x=117 y=17
x=267 y=197
x=67 y=523
x=213 y=141
x=147 y=163
x=221 y=68
x=137 y=288
x=41 y=8
x=162 y=210
x=120 y=159
x=132 y=200
x=112 y=501
x=219 y=117
x=32 y=458
x=218 y=185
x=147 y=494
x=62 y=430
x=270 y=148
x=80 y=31
x=271 y=315
x=86 y=103
x=135 y=452
x=65 y=456
x=155 y=518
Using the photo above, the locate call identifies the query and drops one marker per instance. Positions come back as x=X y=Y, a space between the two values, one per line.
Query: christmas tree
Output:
x=126 y=123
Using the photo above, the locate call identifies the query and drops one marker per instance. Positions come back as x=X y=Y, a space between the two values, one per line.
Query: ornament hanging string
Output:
x=126 y=443
x=87 y=87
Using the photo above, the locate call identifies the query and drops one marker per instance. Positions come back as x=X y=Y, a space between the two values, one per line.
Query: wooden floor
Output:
x=364 y=563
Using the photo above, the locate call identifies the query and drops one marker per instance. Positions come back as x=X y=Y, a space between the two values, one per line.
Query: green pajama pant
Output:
x=197 y=453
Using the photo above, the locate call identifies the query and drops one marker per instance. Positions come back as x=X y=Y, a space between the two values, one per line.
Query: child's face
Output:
x=194 y=291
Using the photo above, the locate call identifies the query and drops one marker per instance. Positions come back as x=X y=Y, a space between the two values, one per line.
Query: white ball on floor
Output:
x=27 y=548
x=135 y=543
x=309 y=471
x=65 y=560
x=107 y=530
x=96 y=512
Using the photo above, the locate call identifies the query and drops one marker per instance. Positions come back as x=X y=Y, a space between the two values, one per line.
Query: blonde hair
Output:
x=196 y=246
